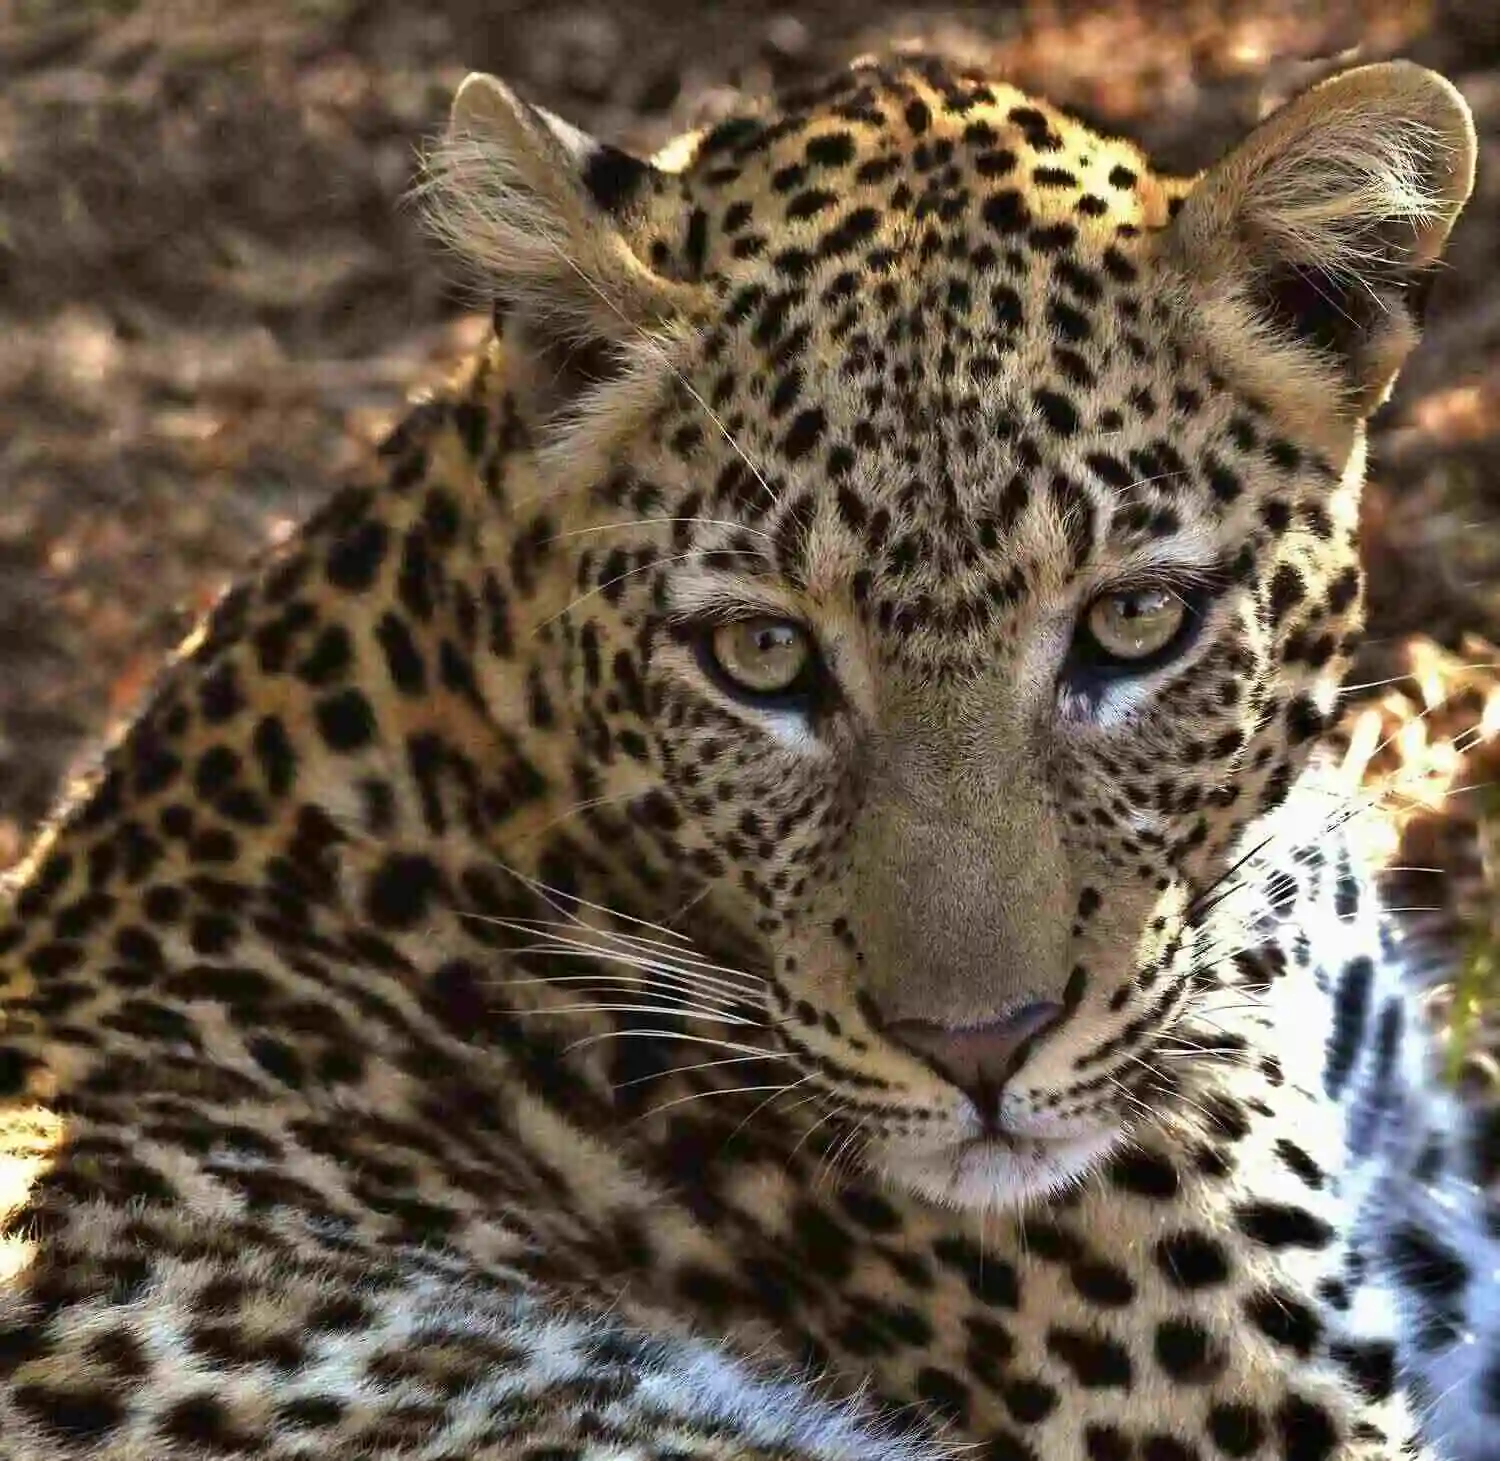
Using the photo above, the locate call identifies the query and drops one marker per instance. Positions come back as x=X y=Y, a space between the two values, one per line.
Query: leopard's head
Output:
x=954 y=546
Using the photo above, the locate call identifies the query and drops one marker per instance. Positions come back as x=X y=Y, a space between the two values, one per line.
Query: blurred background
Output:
x=212 y=297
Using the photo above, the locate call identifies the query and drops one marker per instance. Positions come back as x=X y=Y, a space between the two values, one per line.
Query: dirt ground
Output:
x=212 y=294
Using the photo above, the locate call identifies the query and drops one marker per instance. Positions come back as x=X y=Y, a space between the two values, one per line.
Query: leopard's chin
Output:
x=989 y=1171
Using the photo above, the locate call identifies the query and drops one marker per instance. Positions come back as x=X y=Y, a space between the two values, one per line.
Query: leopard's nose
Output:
x=976 y=1058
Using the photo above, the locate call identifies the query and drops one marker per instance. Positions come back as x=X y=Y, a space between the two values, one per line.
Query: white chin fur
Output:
x=989 y=1174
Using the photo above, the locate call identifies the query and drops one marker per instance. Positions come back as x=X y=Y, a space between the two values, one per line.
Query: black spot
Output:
x=354 y=559
x=1286 y=591
x=1307 y=1430
x=1299 y=1162
x=215 y=772
x=1166 y=1448
x=273 y=750
x=1053 y=238
x=219 y=696
x=1057 y=410
x=1237 y=1430
x=945 y=1393
x=804 y=433
x=1371 y=1365
x=311 y=1412
x=1304 y=721
x=1192 y=1260
x=1106 y=1443
x=1006 y=1445
x=345 y=720
x=330 y=657
x=1282 y=1225
x=990 y=1278
x=870 y=1210
x=455 y=996
x=83 y=1415
x=1006 y=212
x=1343 y=591
x=202 y=1421
x=1351 y=1011
x=1097 y=1363
x=1029 y=1401
x=1146 y=1174
x=1286 y=1320
x=833 y=149
x=1102 y=1283
x=612 y=177
x=403 y=661
x=400 y=890
x=1188 y=1352
x=695 y=244
x=808 y=204
x=1422 y=1263
x=850 y=232
x=14 y=1068
x=1006 y=303
x=995 y=163
x=1051 y=1241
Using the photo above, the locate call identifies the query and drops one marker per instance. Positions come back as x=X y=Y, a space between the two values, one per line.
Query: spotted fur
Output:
x=455 y=1021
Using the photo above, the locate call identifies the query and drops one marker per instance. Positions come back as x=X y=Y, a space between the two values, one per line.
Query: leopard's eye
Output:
x=763 y=659
x=1133 y=626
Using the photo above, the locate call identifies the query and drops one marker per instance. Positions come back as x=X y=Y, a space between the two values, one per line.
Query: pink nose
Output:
x=976 y=1058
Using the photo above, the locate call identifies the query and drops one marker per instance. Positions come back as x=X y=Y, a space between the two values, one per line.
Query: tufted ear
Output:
x=541 y=211
x=1312 y=243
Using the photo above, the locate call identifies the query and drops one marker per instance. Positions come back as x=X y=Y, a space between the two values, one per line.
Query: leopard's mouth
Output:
x=995 y=1168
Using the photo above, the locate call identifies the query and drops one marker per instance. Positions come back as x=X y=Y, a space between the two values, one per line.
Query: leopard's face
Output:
x=969 y=673
x=967 y=565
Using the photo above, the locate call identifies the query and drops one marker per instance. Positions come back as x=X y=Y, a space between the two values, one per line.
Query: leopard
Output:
x=761 y=881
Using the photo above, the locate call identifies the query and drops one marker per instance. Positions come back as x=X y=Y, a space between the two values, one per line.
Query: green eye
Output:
x=762 y=658
x=1134 y=625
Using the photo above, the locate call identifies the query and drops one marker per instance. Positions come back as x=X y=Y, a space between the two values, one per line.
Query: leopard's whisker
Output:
x=623 y=985
x=676 y=953
x=703 y=1065
x=692 y=1096
x=599 y=1037
x=645 y=522
x=696 y=974
x=718 y=1017
x=552 y=895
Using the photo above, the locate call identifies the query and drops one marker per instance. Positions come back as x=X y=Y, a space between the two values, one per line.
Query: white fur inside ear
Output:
x=1334 y=194
x=1352 y=188
x=1369 y=168
x=577 y=144
x=504 y=189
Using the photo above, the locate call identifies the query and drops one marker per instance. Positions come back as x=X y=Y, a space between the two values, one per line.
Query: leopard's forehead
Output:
x=948 y=374
x=883 y=157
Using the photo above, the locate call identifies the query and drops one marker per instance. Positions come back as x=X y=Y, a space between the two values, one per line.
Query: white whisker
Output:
x=677 y=1070
x=717 y=1091
x=558 y=945
x=596 y=1039
x=645 y=522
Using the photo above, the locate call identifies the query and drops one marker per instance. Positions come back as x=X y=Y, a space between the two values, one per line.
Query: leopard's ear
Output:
x=1307 y=251
x=542 y=212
